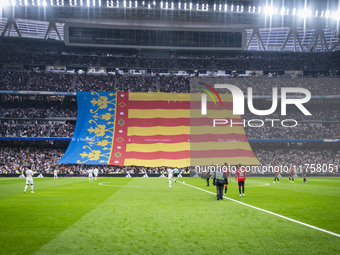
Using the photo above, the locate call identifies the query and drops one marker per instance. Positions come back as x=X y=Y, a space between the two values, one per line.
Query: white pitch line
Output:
x=272 y=213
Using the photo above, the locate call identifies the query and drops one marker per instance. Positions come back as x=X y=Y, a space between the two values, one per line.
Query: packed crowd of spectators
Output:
x=297 y=157
x=301 y=131
x=87 y=82
x=10 y=129
x=50 y=82
x=25 y=112
x=61 y=130
x=44 y=129
x=54 y=54
x=69 y=111
x=156 y=63
x=119 y=61
x=11 y=80
x=64 y=82
x=45 y=160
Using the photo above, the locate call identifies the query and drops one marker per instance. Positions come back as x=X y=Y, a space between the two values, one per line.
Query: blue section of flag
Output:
x=94 y=133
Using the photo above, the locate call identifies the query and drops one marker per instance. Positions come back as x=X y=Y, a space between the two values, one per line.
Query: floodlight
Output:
x=283 y=11
x=327 y=14
x=268 y=10
x=305 y=13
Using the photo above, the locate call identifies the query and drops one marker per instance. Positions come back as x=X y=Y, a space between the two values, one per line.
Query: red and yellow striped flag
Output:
x=166 y=129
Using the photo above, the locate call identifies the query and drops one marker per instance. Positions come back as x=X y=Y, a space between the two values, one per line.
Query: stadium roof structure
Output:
x=289 y=25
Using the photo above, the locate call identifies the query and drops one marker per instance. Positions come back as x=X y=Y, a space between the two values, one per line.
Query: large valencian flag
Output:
x=155 y=129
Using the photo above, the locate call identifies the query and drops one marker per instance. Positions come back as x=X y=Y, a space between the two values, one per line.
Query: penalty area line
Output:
x=269 y=212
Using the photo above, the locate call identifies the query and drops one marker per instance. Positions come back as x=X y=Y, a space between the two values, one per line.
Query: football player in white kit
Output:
x=29 y=179
x=90 y=171
x=170 y=172
x=55 y=174
x=95 y=171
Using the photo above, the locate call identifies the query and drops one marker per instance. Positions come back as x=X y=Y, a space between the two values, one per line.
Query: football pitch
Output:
x=145 y=216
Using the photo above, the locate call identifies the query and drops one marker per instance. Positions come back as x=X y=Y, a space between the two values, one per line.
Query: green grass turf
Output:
x=145 y=216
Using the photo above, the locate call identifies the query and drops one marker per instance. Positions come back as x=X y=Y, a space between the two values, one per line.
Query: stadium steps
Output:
x=28 y=82
x=74 y=82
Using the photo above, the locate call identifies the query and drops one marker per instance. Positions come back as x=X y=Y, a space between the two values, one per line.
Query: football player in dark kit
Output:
x=219 y=181
x=226 y=170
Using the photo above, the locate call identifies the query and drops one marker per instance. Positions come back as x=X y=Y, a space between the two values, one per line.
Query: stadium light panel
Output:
x=269 y=10
x=136 y=4
x=190 y=6
x=242 y=8
x=179 y=5
x=197 y=6
x=185 y=6
x=232 y=8
x=172 y=5
x=316 y=13
x=14 y=2
x=154 y=3
x=149 y=6
x=166 y=5
x=124 y=4
x=305 y=13
x=26 y=2
x=322 y=13
x=4 y=3
x=336 y=15
x=214 y=7
x=283 y=11
x=254 y=9
x=162 y=5
x=143 y=3
x=327 y=14
x=259 y=9
x=294 y=12
x=44 y=3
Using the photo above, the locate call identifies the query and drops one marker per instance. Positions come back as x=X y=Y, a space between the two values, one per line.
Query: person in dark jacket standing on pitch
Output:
x=219 y=181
